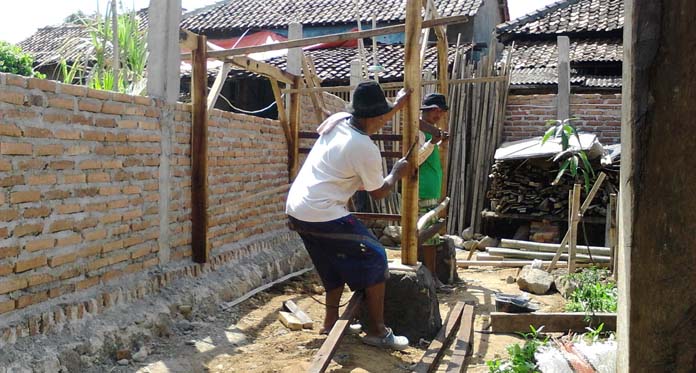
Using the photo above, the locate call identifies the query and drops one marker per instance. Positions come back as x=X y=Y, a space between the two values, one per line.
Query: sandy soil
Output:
x=249 y=338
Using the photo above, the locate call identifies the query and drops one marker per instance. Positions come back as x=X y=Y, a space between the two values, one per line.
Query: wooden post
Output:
x=563 y=77
x=573 y=219
x=294 y=118
x=409 y=184
x=443 y=87
x=612 y=214
x=199 y=153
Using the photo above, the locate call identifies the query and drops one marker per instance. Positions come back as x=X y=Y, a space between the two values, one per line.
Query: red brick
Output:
x=10 y=130
x=62 y=102
x=25 y=196
x=30 y=299
x=77 y=150
x=149 y=125
x=69 y=240
x=111 y=246
x=27 y=229
x=56 y=118
x=62 y=165
x=37 y=245
x=113 y=108
x=12 y=98
x=39 y=279
x=101 y=95
x=100 y=177
x=7 y=306
x=90 y=164
x=13 y=284
x=4 y=233
x=8 y=215
x=127 y=124
x=73 y=90
x=29 y=264
x=16 y=80
x=31 y=164
x=87 y=283
x=62 y=259
x=10 y=148
x=61 y=225
x=114 y=163
x=5 y=165
x=140 y=252
x=95 y=235
x=36 y=212
x=109 y=191
x=90 y=105
x=67 y=134
x=74 y=179
x=93 y=136
x=43 y=179
x=69 y=208
x=56 y=194
x=48 y=150
x=41 y=84
x=150 y=263
x=10 y=251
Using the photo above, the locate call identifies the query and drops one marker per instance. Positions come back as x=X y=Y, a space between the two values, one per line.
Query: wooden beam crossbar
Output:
x=261 y=68
x=329 y=38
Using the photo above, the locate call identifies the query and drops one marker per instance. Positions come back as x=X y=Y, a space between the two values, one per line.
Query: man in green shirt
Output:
x=434 y=109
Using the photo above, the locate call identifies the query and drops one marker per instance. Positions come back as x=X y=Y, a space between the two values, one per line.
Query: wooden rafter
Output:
x=328 y=38
x=262 y=68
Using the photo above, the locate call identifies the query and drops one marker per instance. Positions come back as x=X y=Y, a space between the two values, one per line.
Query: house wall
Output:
x=95 y=202
x=526 y=115
x=485 y=21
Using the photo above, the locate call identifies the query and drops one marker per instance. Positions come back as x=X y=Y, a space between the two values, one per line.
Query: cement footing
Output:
x=411 y=307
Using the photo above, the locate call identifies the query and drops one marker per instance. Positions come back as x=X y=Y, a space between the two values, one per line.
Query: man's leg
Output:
x=333 y=300
x=374 y=296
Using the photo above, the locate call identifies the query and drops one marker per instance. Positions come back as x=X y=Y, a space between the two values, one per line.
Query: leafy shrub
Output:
x=14 y=61
x=521 y=358
x=593 y=292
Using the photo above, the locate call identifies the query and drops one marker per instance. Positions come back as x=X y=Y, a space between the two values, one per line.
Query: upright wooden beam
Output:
x=331 y=38
x=199 y=153
x=563 y=77
x=443 y=88
x=294 y=119
x=282 y=113
x=409 y=184
x=217 y=85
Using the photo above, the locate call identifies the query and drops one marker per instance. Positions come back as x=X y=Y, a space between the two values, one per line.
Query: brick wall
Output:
x=597 y=113
x=95 y=188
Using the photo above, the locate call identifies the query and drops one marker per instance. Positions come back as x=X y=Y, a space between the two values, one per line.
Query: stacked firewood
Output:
x=525 y=187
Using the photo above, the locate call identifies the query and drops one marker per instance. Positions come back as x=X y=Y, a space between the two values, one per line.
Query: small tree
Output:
x=14 y=61
x=574 y=161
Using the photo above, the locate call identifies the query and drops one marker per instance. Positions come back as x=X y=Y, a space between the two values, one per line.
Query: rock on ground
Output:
x=536 y=281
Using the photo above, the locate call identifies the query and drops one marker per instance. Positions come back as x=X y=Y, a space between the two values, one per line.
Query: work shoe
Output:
x=395 y=342
x=351 y=330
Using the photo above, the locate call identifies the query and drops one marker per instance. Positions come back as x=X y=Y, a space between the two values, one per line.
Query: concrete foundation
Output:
x=411 y=307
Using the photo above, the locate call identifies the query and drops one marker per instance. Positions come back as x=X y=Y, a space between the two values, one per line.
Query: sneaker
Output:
x=395 y=342
x=351 y=330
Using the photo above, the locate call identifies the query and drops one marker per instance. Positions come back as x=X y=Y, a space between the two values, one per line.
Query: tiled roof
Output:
x=70 y=41
x=333 y=64
x=241 y=15
x=549 y=76
x=569 y=16
x=542 y=53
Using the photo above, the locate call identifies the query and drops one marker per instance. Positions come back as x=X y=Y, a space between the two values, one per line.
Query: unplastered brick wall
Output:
x=526 y=115
x=96 y=189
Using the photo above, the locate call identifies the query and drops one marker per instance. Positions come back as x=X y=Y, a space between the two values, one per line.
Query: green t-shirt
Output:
x=430 y=175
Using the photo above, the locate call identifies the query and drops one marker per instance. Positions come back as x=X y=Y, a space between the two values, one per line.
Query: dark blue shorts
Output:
x=343 y=251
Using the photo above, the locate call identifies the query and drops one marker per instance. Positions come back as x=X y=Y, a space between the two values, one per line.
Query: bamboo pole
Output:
x=294 y=119
x=115 y=45
x=409 y=184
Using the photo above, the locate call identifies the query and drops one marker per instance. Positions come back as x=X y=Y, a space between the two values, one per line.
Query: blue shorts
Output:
x=343 y=251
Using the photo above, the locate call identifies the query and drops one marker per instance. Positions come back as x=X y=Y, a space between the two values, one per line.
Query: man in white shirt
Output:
x=343 y=160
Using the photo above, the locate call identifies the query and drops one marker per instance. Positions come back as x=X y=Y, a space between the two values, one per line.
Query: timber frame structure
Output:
x=203 y=101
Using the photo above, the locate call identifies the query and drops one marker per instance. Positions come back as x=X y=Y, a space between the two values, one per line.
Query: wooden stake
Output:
x=409 y=184
x=573 y=219
x=612 y=213
x=282 y=114
x=502 y=322
x=199 y=153
x=583 y=208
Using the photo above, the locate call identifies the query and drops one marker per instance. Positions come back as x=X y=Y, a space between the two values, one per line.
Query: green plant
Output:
x=14 y=61
x=95 y=66
x=521 y=358
x=574 y=161
x=593 y=292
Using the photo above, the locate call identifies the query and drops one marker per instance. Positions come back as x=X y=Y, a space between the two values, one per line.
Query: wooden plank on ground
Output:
x=502 y=322
x=293 y=308
x=437 y=347
x=463 y=344
x=323 y=357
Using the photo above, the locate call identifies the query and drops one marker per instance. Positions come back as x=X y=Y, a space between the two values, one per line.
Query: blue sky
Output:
x=21 y=18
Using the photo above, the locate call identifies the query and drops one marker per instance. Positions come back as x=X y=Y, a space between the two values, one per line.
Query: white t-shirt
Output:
x=341 y=162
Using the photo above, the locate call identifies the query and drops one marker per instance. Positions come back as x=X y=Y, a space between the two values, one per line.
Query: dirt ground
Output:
x=249 y=337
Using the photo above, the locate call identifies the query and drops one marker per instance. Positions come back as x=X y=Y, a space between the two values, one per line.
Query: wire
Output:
x=247 y=111
x=326 y=305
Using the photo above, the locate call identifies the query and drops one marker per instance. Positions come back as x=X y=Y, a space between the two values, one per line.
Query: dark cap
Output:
x=369 y=101
x=434 y=101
